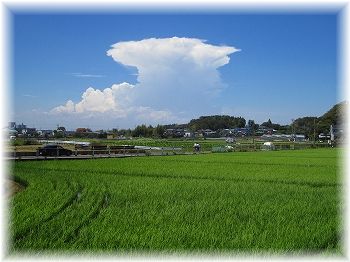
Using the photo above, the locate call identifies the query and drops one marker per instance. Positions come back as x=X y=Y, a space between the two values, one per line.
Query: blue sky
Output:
x=286 y=67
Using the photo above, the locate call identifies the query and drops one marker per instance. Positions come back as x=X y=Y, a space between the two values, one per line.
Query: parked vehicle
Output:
x=54 y=150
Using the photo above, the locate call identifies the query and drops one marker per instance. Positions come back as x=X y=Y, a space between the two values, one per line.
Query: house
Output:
x=323 y=137
x=241 y=131
x=29 y=131
x=188 y=133
x=83 y=130
x=336 y=133
x=20 y=128
x=11 y=133
x=226 y=132
x=209 y=133
x=174 y=132
x=45 y=133
x=299 y=138
x=263 y=130
x=61 y=129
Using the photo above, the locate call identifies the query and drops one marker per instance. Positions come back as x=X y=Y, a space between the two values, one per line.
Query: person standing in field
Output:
x=196 y=147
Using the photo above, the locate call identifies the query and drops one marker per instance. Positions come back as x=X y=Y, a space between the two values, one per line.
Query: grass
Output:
x=282 y=201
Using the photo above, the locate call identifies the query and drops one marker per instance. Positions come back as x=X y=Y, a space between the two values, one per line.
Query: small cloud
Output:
x=86 y=75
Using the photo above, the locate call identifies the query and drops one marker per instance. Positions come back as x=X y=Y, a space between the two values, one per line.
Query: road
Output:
x=73 y=157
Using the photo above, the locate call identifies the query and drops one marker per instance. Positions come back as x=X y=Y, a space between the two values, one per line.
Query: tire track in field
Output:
x=307 y=165
x=212 y=178
x=75 y=197
x=238 y=180
x=103 y=203
x=293 y=156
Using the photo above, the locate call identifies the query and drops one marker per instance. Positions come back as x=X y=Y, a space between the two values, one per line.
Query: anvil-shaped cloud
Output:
x=174 y=74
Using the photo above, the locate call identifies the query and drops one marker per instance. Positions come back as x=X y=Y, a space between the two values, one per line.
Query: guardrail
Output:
x=119 y=151
x=99 y=152
x=259 y=146
x=92 y=153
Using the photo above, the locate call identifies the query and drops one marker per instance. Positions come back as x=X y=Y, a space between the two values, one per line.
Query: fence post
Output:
x=93 y=152
x=109 y=151
x=15 y=151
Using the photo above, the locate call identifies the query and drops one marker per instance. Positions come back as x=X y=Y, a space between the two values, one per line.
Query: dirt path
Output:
x=12 y=187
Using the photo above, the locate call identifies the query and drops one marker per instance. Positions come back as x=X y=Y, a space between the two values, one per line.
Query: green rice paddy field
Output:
x=280 y=201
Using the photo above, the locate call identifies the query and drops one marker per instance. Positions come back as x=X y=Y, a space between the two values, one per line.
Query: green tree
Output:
x=158 y=131
x=216 y=122
x=58 y=134
x=305 y=126
x=268 y=123
x=142 y=131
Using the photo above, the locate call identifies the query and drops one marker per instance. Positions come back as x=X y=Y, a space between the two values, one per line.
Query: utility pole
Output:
x=314 y=130
x=254 y=136
x=293 y=135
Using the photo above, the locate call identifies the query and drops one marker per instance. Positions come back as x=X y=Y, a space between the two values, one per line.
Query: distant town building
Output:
x=21 y=127
x=29 y=131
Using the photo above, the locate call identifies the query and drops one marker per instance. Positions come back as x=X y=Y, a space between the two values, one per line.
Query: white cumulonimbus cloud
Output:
x=154 y=53
x=174 y=74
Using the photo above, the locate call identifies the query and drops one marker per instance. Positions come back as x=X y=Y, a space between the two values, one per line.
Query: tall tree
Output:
x=158 y=131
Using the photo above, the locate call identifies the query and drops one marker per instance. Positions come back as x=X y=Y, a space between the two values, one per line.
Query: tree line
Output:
x=308 y=126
